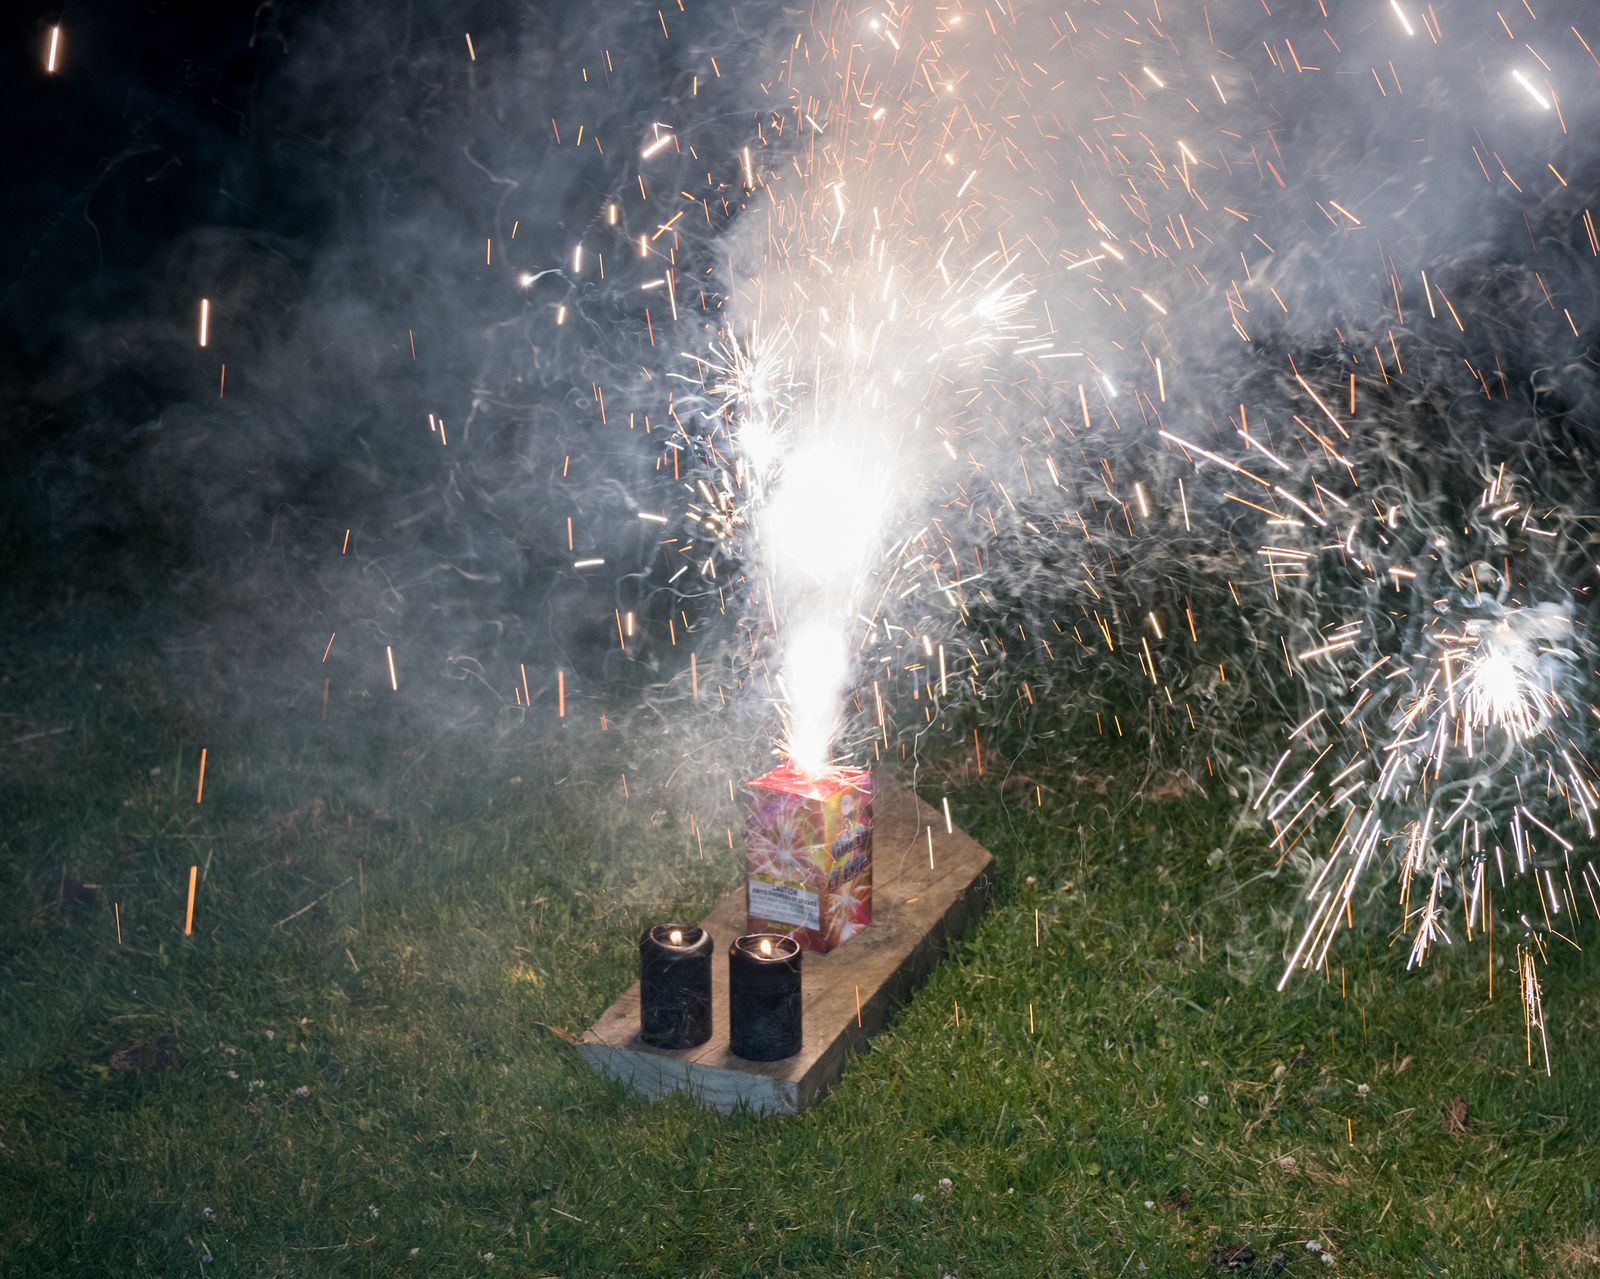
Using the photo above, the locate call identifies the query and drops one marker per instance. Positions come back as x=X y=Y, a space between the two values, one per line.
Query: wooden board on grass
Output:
x=917 y=909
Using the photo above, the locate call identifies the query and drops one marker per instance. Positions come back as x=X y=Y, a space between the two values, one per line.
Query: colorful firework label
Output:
x=808 y=855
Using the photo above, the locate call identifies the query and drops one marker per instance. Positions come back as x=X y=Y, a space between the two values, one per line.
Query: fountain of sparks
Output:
x=858 y=319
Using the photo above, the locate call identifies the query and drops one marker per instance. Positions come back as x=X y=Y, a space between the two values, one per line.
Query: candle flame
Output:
x=676 y=936
x=766 y=946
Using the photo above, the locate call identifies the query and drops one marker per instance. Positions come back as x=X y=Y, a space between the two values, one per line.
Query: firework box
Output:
x=808 y=855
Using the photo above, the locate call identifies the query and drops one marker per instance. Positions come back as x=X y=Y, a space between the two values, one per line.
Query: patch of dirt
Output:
x=1170 y=787
x=147 y=1056
x=311 y=815
x=1577 y=1256
x=1233 y=1256
x=73 y=894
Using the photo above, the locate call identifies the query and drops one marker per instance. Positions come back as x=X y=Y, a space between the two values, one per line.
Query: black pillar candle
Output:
x=675 y=986
x=764 y=997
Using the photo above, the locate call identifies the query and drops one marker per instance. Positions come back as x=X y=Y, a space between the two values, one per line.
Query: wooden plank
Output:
x=917 y=908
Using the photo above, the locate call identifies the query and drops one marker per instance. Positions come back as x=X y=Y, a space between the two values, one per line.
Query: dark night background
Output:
x=327 y=176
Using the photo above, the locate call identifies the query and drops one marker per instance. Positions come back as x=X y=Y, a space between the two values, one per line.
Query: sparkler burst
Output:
x=1509 y=667
x=1452 y=750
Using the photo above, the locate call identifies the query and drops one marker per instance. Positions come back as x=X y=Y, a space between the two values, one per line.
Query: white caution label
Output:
x=784 y=903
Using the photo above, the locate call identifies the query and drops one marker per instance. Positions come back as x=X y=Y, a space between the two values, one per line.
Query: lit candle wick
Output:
x=676 y=936
x=766 y=946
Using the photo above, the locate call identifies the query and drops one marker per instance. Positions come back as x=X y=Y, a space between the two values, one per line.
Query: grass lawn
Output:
x=381 y=1084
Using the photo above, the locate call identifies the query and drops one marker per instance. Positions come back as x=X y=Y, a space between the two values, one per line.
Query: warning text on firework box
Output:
x=808 y=855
